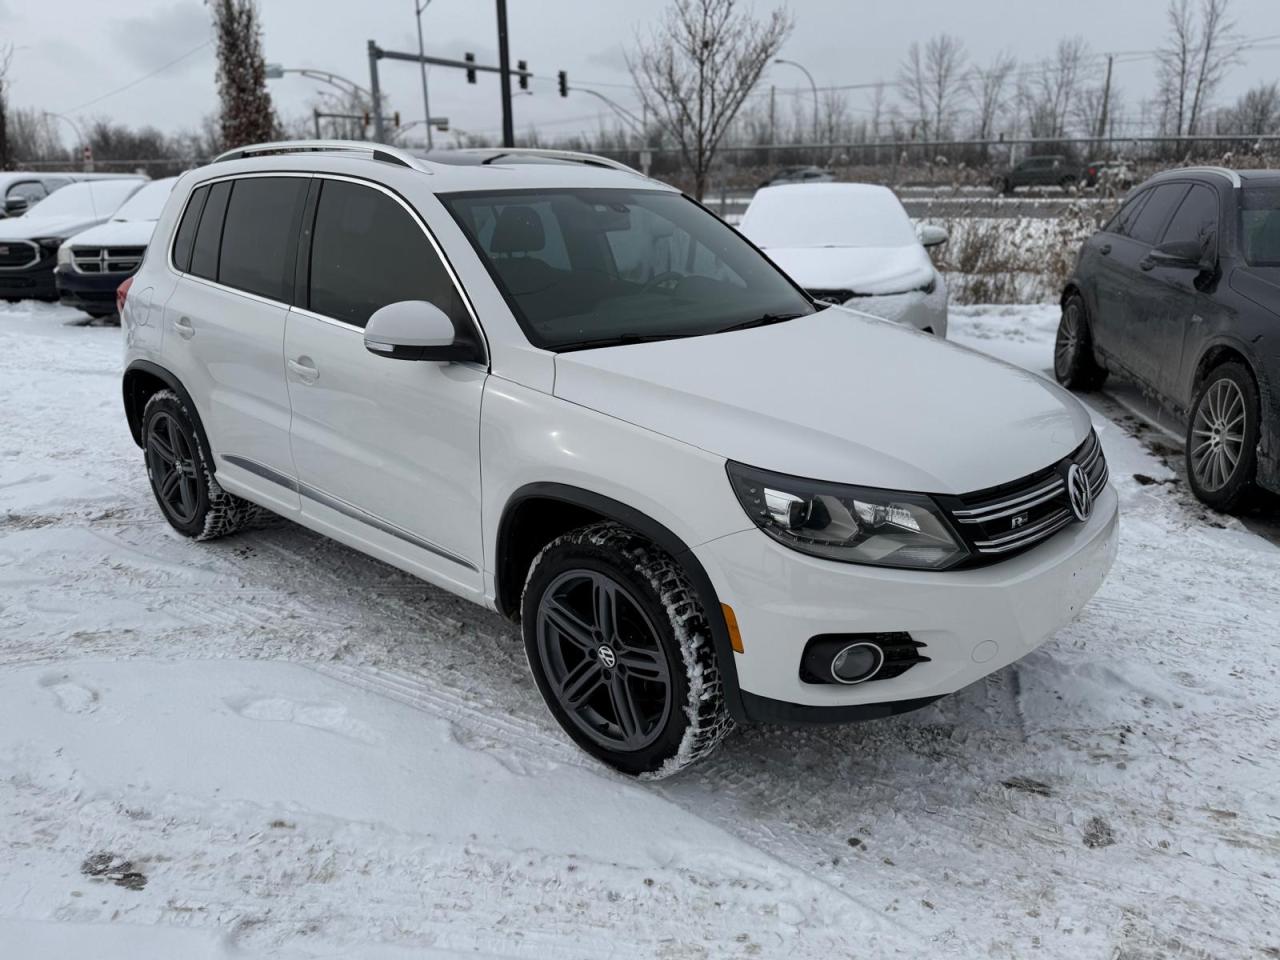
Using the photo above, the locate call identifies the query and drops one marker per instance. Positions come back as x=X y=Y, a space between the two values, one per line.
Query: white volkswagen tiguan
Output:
x=572 y=395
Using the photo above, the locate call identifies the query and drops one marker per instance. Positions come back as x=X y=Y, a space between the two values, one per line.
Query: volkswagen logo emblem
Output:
x=1078 y=492
x=608 y=659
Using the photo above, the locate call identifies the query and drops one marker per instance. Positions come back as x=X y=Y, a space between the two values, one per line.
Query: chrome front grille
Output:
x=1015 y=516
x=16 y=254
x=106 y=259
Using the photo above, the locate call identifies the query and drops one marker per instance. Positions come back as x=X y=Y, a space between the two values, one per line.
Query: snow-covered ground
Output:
x=271 y=746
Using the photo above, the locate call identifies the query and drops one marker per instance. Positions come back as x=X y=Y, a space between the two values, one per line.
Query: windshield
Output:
x=828 y=215
x=147 y=203
x=1259 y=225
x=92 y=199
x=590 y=267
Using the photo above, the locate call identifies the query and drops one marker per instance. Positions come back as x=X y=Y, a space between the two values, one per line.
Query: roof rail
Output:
x=376 y=151
x=572 y=156
x=1220 y=171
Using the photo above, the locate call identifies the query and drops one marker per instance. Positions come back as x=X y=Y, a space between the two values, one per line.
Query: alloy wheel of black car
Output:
x=604 y=660
x=1074 y=365
x=1222 y=437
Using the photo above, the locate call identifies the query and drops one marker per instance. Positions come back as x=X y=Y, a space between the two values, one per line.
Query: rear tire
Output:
x=1222 y=438
x=178 y=468
x=621 y=650
x=1074 y=364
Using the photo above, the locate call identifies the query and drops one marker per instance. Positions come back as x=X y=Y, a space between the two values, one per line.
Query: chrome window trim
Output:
x=359 y=181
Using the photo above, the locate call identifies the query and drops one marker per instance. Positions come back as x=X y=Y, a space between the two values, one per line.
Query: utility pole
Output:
x=375 y=93
x=504 y=71
x=426 y=104
x=1106 y=100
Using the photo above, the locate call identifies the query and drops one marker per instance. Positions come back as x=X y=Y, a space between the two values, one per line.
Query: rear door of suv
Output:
x=387 y=450
x=224 y=325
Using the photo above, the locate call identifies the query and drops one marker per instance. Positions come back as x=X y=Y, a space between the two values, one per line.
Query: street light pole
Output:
x=426 y=104
x=813 y=86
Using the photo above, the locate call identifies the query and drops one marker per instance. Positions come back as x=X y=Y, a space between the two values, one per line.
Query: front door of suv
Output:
x=387 y=451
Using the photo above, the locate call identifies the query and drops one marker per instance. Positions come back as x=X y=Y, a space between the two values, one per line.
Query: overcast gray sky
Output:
x=70 y=53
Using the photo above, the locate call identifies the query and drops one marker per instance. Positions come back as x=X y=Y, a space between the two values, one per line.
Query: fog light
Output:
x=857 y=662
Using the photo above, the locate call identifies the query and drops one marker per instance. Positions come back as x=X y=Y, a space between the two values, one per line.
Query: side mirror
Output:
x=416 y=330
x=15 y=206
x=931 y=235
x=1179 y=254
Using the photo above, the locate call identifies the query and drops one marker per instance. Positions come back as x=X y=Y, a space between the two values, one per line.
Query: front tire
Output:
x=621 y=650
x=178 y=468
x=1222 y=438
x=1074 y=363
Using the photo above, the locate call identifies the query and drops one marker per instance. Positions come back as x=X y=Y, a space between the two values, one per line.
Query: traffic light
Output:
x=523 y=69
x=564 y=84
x=366 y=118
x=395 y=119
x=471 y=74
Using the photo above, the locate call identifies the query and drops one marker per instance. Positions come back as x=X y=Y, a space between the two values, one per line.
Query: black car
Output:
x=1180 y=292
x=1051 y=170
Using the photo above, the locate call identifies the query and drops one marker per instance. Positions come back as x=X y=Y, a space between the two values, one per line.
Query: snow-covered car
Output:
x=93 y=264
x=21 y=190
x=29 y=244
x=853 y=244
x=568 y=393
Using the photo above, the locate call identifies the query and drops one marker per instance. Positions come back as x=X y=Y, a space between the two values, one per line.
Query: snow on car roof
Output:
x=827 y=215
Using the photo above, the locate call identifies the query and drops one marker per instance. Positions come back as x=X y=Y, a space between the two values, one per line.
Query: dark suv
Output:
x=1051 y=170
x=1180 y=292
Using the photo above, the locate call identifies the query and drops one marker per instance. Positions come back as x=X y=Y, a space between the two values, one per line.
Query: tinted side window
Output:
x=1155 y=214
x=260 y=236
x=185 y=238
x=1197 y=217
x=367 y=251
x=204 y=254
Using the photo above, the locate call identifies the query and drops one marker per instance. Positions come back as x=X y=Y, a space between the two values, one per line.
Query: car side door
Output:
x=1128 y=341
x=222 y=329
x=1104 y=274
x=387 y=450
x=1180 y=297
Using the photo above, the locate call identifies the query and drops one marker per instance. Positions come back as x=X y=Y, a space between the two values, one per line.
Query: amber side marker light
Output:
x=731 y=622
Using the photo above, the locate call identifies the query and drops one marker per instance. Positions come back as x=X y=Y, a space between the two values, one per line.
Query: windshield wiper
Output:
x=620 y=340
x=762 y=321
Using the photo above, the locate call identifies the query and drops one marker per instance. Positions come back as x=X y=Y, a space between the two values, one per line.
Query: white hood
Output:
x=33 y=225
x=117 y=233
x=838 y=396
x=864 y=270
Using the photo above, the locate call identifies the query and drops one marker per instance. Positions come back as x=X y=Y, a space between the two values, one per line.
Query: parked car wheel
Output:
x=621 y=650
x=1002 y=185
x=1222 y=437
x=178 y=468
x=1074 y=363
x=1067 y=183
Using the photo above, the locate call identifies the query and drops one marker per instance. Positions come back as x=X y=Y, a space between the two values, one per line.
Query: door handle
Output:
x=304 y=370
x=1106 y=249
x=1147 y=264
x=186 y=330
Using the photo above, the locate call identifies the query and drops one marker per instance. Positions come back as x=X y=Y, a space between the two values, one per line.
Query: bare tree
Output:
x=835 y=117
x=877 y=109
x=1096 y=111
x=1048 y=95
x=6 y=55
x=1254 y=114
x=989 y=89
x=1215 y=55
x=930 y=79
x=696 y=68
x=1177 y=66
x=247 y=115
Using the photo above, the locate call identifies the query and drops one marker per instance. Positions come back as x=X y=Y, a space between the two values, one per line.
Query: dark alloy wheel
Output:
x=602 y=656
x=178 y=467
x=621 y=650
x=1222 y=437
x=1074 y=364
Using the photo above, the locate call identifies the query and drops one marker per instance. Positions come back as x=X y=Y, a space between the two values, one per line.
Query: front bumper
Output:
x=91 y=292
x=33 y=282
x=926 y=312
x=972 y=621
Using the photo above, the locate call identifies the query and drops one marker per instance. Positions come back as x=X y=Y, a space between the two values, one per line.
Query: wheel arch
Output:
x=142 y=380
x=1215 y=355
x=536 y=513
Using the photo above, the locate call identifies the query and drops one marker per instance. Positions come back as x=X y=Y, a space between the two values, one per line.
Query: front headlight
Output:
x=851 y=524
x=64 y=255
x=50 y=243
